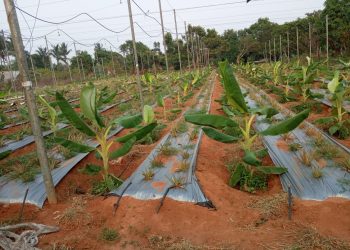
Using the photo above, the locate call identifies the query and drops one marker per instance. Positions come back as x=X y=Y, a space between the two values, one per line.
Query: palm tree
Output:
x=43 y=54
x=64 y=52
x=56 y=53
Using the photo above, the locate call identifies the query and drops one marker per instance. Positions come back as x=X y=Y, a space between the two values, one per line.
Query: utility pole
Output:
x=32 y=64
x=192 y=50
x=188 y=52
x=30 y=100
x=270 y=51
x=178 y=42
x=281 y=56
x=288 y=46
x=274 y=48
x=164 y=44
x=310 y=40
x=327 y=41
x=124 y=61
x=76 y=55
x=103 y=68
x=298 y=43
x=93 y=67
x=138 y=80
x=50 y=62
x=82 y=68
x=198 y=51
x=114 y=70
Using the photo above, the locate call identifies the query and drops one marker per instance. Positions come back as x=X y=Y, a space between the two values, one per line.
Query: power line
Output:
x=72 y=18
x=154 y=12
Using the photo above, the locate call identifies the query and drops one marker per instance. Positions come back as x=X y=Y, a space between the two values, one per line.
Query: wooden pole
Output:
x=178 y=41
x=164 y=44
x=138 y=79
x=187 y=48
x=30 y=100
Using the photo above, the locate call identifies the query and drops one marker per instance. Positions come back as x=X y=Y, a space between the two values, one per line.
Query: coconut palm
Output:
x=43 y=54
x=64 y=52
x=55 y=52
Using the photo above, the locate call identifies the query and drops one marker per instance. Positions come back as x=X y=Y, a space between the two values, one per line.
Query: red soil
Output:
x=234 y=225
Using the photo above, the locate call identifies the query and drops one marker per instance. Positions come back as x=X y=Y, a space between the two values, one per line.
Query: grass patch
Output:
x=109 y=234
x=167 y=150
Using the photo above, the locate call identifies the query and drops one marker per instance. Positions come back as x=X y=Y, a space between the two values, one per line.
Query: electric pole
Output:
x=288 y=46
x=274 y=48
x=50 y=62
x=327 y=41
x=76 y=55
x=310 y=48
x=164 y=44
x=188 y=52
x=298 y=43
x=30 y=100
x=114 y=70
x=178 y=42
x=138 y=80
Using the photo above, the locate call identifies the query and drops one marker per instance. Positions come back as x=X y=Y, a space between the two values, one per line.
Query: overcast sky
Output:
x=234 y=14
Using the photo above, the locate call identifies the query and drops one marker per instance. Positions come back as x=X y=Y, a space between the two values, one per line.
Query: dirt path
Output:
x=236 y=224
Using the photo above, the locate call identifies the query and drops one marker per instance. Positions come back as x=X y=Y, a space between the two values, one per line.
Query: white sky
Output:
x=114 y=15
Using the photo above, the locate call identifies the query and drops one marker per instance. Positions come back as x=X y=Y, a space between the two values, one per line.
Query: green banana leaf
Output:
x=129 y=121
x=231 y=86
x=272 y=170
x=268 y=111
x=214 y=121
x=236 y=175
x=286 y=125
x=227 y=111
x=332 y=85
x=51 y=110
x=250 y=158
x=88 y=104
x=90 y=169
x=123 y=150
x=108 y=99
x=148 y=114
x=72 y=116
x=218 y=136
x=73 y=146
x=4 y=154
x=138 y=134
x=160 y=101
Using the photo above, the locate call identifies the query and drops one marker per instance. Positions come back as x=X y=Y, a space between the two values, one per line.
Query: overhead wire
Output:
x=72 y=18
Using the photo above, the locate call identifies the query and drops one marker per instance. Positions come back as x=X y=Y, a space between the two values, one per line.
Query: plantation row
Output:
x=77 y=129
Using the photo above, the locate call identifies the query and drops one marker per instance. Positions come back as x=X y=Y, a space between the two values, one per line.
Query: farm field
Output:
x=213 y=138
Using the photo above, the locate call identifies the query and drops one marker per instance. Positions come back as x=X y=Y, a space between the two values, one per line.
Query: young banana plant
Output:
x=53 y=114
x=277 y=73
x=338 y=125
x=100 y=131
x=161 y=103
x=215 y=125
x=185 y=87
x=248 y=139
x=149 y=79
x=309 y=73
